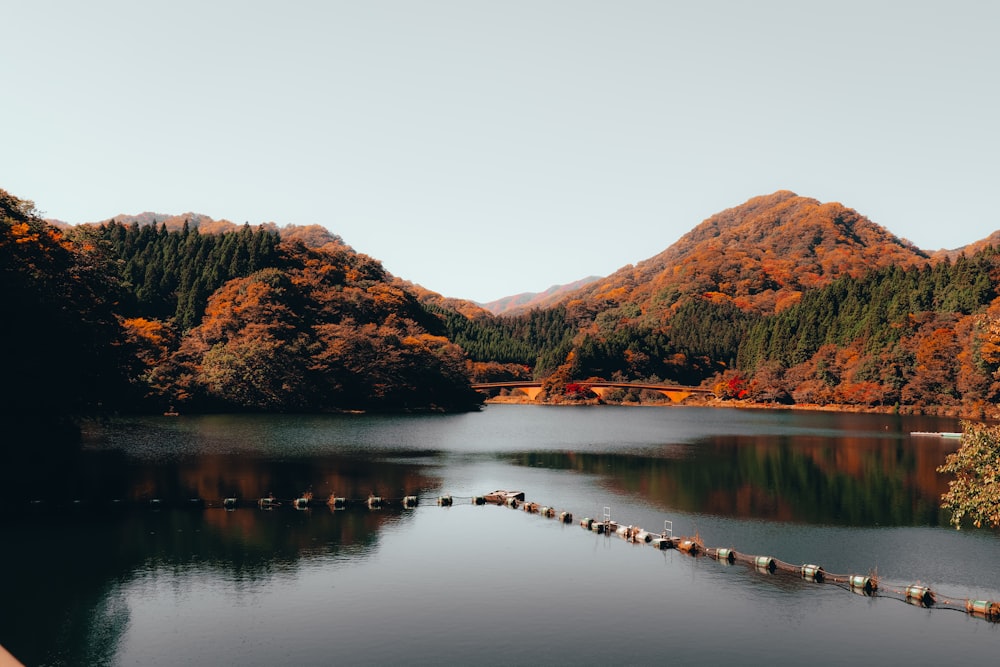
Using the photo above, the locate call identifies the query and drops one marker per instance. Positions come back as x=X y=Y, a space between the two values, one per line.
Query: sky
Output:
x=483 y=149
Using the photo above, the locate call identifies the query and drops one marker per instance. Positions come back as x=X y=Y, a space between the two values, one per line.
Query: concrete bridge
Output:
x=675 y=393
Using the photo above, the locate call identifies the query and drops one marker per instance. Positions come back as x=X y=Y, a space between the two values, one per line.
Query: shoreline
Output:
x=948 y=411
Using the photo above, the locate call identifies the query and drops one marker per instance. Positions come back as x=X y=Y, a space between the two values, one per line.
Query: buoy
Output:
x=301 y=503
x=531 y=507
x=663 y=543
x=984 y=608
x=445 y=501
x=765 y=564
x=374 y=502
x=479 y=500
x=919 y=595
x=725 y=555
x=623 y=531
x=410 y=502
x=597 y=527
x=586 y=522
x=643 y=536
x=566 y=517
x=863 y=585
x=268 y=503
x=336 y=502
x=688 y=547
x=512 y=502
x=229 y=503
x=813 y=573
x=155 y=503
x=547 y=512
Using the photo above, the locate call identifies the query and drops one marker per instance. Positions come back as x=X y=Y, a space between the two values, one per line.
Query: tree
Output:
x=975 y=491
x=60 y=344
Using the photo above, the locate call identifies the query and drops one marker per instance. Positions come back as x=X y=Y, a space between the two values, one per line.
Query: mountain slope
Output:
x=760 y=256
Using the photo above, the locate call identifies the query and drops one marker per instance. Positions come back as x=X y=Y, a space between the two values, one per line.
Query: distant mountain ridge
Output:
x=312 y=236
x=527 y=300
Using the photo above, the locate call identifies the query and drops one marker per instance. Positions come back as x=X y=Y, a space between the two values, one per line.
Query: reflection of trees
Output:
x=847 y=481
x=65 y=566
x=64 y=601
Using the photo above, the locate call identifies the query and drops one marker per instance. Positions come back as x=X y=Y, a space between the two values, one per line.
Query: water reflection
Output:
x=854 y=481
x=86 y=567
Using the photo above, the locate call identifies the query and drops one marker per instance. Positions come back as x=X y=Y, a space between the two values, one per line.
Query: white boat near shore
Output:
x=935 y=434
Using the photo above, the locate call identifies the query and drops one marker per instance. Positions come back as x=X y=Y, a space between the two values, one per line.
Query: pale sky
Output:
x=483 y=149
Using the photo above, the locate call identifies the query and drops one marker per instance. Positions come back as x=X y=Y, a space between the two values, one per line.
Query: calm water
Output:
x=94 y=573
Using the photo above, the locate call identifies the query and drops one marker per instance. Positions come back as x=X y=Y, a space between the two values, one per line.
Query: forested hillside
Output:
x=783 y=299
x=116 y=317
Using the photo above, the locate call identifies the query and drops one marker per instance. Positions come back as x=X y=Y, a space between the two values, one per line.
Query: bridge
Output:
x=675 y=393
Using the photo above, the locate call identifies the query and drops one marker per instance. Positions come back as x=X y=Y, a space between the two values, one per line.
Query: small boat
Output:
x=935 y=434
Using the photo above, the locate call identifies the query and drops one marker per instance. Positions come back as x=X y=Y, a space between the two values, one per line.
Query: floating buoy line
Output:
x=863 y=584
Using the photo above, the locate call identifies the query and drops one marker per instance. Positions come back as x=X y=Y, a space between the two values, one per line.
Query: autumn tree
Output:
x=974 y=493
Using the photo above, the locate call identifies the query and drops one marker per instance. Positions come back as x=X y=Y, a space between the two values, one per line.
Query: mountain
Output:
x=311 y=236
x=759 y=256
x=970 y=249
x=528 y=300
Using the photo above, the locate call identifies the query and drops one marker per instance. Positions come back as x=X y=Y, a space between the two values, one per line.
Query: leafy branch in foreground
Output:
x=975 y=491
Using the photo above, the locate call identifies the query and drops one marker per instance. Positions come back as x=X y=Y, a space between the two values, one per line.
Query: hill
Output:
x=782 y=298
x=759 y=256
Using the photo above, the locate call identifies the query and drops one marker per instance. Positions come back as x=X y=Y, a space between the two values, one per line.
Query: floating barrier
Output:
x=663 y=543
x=502 y=497
x=765 y=564
x=863 y=585
x=689 y=547
x=723 y=555
x=919 y=595
x=868 y=585
x=984 y=609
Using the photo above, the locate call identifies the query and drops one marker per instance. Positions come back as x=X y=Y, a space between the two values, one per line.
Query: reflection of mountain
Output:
x=857 y=481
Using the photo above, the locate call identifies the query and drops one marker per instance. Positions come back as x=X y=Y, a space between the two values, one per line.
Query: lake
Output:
x=125 y=554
